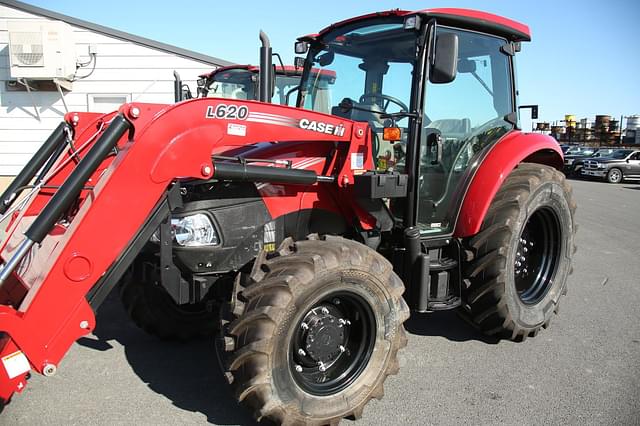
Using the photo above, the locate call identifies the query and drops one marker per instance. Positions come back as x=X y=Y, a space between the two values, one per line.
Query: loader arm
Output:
x=70 y=234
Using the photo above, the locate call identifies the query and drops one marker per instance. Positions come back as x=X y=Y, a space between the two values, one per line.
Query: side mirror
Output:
x=326 y=59
x=533 y=108
x=445 y=62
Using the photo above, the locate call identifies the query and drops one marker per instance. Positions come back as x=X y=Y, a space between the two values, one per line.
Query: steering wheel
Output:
x=387 y=98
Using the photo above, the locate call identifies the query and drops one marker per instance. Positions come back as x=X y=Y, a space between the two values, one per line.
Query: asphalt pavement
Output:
x=584 y=369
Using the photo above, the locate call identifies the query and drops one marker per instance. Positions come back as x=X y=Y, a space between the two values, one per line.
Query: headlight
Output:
x=192 y=231
x=601 y=165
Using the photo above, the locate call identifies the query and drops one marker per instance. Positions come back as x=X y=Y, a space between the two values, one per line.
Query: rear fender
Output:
x=506 y=154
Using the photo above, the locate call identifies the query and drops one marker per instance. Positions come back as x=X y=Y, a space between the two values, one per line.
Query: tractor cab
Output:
x=242 y=82
x=436 y=97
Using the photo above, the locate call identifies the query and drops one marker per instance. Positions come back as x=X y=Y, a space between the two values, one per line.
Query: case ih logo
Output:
x=320 y=127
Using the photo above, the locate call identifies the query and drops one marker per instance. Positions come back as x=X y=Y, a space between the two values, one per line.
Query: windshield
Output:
x=603 y=153
x=620 y=154
x=372 y=66
x=233 y=84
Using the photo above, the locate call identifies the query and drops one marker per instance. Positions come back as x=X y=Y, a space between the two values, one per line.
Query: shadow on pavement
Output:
x=446 y=324
x=186 y=373
x=632 y=187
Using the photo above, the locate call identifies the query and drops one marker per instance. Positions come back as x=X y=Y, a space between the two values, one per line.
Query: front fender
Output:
x=513 y=149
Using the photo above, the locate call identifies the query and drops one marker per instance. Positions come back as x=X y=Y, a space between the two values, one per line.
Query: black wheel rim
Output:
x=332 y=343
x=537 y=255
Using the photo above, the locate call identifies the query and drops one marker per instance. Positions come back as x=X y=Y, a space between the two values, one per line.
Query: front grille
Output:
x=590 y=164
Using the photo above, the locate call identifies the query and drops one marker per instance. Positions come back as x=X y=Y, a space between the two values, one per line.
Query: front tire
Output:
x=315 y=332
x=614 y=175
x=152 y=309
x=523 y=254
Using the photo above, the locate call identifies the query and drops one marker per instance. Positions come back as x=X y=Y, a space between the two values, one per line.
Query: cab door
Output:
x=469 y=115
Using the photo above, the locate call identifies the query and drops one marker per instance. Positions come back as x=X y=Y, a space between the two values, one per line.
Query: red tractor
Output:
x=312 y=235
x=241 y=82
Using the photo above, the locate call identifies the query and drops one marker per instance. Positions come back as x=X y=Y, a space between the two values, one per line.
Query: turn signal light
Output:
x=392 y=134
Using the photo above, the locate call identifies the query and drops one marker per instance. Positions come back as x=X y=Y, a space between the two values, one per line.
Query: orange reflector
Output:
x=392 y=134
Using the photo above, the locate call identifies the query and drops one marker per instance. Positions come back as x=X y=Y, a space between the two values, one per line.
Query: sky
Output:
x=581 y=60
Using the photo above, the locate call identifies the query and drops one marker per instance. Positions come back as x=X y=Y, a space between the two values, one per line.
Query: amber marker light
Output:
x=392 y=134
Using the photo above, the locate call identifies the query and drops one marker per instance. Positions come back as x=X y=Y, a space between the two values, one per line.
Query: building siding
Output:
x=141 y=73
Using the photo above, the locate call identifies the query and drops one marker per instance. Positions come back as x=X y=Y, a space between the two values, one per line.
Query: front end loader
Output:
x=303 y=237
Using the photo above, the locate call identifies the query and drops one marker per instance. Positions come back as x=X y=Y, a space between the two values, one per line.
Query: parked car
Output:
x=564 y=147
x=574 y=163
x=577 y=150
x=621 y=164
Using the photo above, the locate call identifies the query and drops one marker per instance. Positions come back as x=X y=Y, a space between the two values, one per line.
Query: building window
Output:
x=106 y=102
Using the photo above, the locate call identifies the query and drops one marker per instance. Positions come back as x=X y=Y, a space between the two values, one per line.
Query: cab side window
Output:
x=469 y=113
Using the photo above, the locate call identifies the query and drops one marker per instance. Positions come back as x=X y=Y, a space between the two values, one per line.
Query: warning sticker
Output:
x=357 y=160
x=15 y=364
x=236 y=129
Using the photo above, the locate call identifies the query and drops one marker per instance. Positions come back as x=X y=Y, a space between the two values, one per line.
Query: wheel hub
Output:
x=522 y=265
x=325 y=334
x=332 y=343
x=536 y=257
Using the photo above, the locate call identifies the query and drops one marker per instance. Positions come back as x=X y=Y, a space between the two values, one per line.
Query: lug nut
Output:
x=518 y=264
x=325 y=311
x=298 y=369
x=336 y=301
x=321 y=366
x=301 y=352
x=342 y=348
x=525 y=249
x=304 y=326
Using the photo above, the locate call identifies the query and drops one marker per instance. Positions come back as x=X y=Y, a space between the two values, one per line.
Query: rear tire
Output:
x=614 y=175
x=152 y=309
x=350 y=302
x=522 y=254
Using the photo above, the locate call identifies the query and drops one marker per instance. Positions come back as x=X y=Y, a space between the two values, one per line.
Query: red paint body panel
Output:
x=511 y=150
x=517 y=27
x=519 y=30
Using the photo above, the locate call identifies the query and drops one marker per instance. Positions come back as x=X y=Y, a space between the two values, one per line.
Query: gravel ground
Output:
x=584 y=369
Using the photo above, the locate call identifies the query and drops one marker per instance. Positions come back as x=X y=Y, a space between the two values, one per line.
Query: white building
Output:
x=115 y=67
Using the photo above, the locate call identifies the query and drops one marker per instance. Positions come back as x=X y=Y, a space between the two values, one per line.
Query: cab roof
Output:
x=290 y=70
x=463 y=18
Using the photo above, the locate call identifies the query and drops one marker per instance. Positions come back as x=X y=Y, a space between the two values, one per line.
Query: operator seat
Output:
x=239 y=93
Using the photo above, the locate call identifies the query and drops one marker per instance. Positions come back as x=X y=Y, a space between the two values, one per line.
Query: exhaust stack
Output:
x=266 y=68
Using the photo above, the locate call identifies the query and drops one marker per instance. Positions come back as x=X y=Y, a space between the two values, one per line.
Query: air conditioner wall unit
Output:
x=41 y=50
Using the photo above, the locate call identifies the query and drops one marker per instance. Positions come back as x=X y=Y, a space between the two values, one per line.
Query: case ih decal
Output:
x=320 y=127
